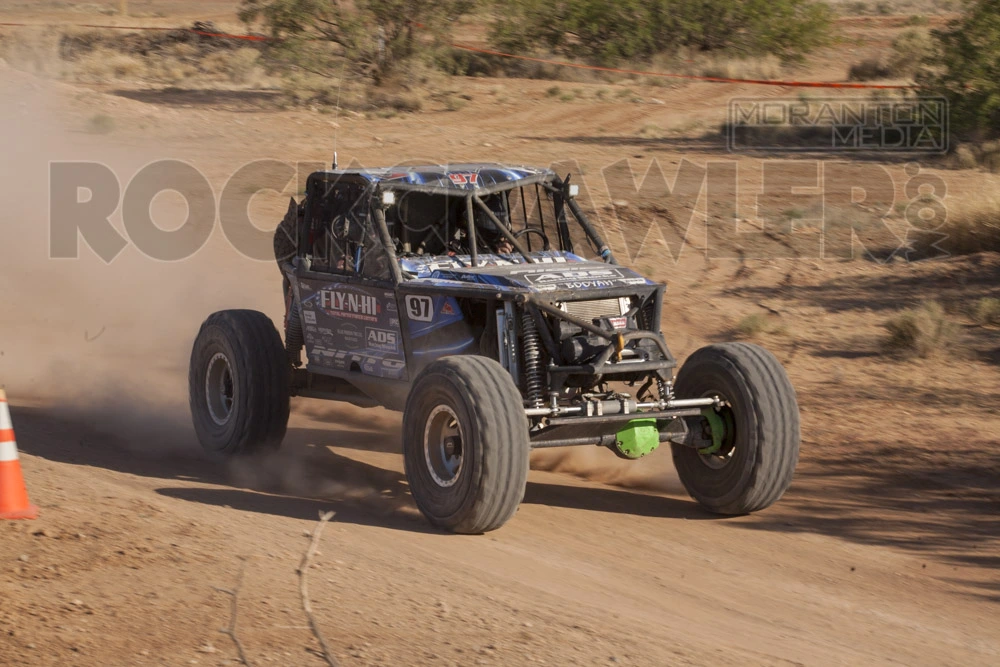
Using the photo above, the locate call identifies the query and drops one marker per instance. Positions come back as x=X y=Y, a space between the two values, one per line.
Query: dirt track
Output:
x=884 y=551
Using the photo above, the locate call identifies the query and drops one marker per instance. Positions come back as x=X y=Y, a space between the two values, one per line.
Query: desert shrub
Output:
x=964 y=157
x=755 y=325
x=869 y=69
x=909 y=51
x=986 y=311
x=974 y=229
x=395 y=100
x=609 y=32
x=101 y=124
x=965 y=69
x=371 y=37
x=923 y=331
x=241 y=66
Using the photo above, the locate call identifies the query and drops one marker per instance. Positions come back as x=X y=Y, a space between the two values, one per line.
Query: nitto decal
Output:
x=420 y=308
x=353 y=305
x=381 y=339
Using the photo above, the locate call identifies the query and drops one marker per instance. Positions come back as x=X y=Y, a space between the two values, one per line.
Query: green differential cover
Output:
x=638 y=438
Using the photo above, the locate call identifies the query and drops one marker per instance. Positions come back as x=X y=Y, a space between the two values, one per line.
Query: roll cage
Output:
x=370 y=208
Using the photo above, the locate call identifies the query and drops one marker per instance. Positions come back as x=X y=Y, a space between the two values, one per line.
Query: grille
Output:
x=591 y=310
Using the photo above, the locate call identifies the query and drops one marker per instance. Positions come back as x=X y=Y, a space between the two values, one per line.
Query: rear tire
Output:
x=465 y=444
x=238 y=384
x=756 y=463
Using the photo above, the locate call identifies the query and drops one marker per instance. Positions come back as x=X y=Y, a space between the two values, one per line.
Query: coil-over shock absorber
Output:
x=534 y=373
x=293 y=335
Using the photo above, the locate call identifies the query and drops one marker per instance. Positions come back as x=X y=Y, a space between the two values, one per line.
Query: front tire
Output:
x=238 y=384
x=465 y=444
x=760 y=420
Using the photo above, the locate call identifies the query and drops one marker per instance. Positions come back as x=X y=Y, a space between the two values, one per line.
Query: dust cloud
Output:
x=597 y=464
x=104 y=342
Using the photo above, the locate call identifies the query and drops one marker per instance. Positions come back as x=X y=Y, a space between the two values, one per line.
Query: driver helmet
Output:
x=485 y=227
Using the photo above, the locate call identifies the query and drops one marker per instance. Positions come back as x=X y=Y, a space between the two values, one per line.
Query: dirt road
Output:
x=884 y=551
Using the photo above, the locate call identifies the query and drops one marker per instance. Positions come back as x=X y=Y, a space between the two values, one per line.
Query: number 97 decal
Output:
x=420 y=308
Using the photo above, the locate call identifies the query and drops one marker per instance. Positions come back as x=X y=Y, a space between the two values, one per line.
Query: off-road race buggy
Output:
x=462 y=296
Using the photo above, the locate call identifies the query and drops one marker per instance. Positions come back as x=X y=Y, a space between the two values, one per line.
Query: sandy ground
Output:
x=884 y=551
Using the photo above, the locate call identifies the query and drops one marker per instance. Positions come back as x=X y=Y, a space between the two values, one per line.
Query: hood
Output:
x=552 y=271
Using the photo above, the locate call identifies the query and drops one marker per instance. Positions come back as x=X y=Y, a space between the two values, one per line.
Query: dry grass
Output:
x=103 y=65
x=651 y=131
x=973 y=229
x=756 y=325
x=100 y=124
x=724 y=66
x=924 y=331
x=972 y=155
x=179 y=64
x=34 y=50
x=98 y=56
x=986 y=311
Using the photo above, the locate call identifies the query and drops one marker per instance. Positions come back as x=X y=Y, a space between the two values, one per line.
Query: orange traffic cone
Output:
x=14 y=503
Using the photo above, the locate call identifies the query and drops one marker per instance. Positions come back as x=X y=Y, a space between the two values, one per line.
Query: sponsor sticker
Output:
x=381 y=339
x=349 y=304
x=420 y=308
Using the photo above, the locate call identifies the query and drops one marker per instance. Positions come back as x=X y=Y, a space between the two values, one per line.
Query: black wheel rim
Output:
x=220 y=390
x=443 y=446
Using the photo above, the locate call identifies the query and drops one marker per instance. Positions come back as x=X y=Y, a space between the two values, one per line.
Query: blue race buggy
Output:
x=479 y=300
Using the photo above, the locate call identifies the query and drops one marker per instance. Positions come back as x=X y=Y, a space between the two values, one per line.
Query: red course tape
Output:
x=560 y=63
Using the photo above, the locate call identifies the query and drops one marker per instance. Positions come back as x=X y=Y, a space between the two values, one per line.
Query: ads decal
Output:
x=381 y=339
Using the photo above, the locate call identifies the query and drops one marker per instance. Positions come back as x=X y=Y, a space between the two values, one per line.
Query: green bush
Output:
x=965 y=69
x=608 y=32
x=373 y=37
x=909 y=51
